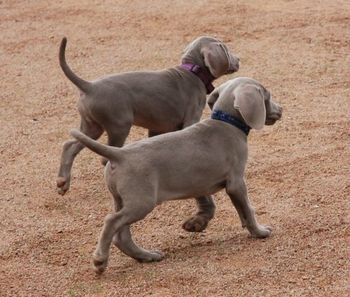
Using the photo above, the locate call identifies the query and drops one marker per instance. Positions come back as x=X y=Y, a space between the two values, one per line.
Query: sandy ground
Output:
x=298 y=170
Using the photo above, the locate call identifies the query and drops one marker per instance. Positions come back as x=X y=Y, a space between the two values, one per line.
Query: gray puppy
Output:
x=197 y=161
x=161 y=101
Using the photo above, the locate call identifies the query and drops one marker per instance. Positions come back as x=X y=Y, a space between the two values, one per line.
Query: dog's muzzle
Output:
x=233 y=62
x=274 y=115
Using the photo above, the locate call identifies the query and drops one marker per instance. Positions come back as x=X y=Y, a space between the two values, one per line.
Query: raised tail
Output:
x=109 y=152
x=83 y=85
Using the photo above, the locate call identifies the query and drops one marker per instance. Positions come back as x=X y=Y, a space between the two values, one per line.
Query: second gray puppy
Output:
x=197 y=161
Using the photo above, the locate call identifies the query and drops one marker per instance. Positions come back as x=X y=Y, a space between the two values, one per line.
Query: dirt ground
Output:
x=297 y=175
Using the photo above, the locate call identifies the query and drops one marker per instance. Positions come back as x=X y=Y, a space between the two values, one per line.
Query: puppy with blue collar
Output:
x=199 y=160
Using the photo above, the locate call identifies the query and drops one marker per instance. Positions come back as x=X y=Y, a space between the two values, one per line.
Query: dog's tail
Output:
x=109 y=152
x=83 y=85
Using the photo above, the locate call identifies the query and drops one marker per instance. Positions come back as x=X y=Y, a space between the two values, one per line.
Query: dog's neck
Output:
x=230 y=119
x=202 y=73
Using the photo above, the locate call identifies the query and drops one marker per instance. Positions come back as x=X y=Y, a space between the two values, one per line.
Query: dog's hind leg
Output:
x=117 y=134
x=132 y=210
x=206 y=210
x=70 y=150
x=113 y=222
x=123 y=240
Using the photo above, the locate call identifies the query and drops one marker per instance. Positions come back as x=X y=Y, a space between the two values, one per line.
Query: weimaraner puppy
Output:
x=161 y=101
x=197 y=161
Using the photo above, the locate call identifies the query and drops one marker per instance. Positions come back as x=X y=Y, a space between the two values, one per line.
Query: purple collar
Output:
x=203 y=74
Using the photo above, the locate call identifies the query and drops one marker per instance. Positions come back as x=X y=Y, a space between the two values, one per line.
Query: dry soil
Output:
x=298 y=170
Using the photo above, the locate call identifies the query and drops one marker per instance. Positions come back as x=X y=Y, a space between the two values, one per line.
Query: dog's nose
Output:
x=280 y=109
x=236 y=63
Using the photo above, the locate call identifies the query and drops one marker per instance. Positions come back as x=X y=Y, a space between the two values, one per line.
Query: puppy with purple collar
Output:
x=197 y=161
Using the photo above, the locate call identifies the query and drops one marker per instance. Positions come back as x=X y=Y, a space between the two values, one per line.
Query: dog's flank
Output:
x=109 y=152
x=82 y=84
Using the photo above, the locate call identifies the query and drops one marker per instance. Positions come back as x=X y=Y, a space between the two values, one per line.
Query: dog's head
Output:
x=247 y=99
x=211 y=53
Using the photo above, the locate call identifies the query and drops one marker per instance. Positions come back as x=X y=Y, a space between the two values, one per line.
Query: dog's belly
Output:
x=158 y=124
x=188 y=190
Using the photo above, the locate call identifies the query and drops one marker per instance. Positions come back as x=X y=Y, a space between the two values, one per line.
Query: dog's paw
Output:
x=62 y=185
x=151 y=256
x=99 y=264
x=195 y=224
x=262 y=231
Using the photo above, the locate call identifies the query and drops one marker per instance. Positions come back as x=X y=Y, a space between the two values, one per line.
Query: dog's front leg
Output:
x=237 y=191
x=206 y=210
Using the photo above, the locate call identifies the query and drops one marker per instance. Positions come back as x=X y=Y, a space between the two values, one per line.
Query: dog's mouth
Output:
x=270 y=122
x=233 y=69
x=272 y=118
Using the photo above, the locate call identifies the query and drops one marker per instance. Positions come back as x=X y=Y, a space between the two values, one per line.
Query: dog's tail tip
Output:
x=75 y=133
x=104 y=150
x=63 y=43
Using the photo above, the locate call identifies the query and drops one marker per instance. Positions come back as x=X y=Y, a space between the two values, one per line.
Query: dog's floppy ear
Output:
x=249 y=101
x=215 y=59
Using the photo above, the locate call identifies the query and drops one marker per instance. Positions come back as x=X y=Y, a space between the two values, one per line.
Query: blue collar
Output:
x=225 y=117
